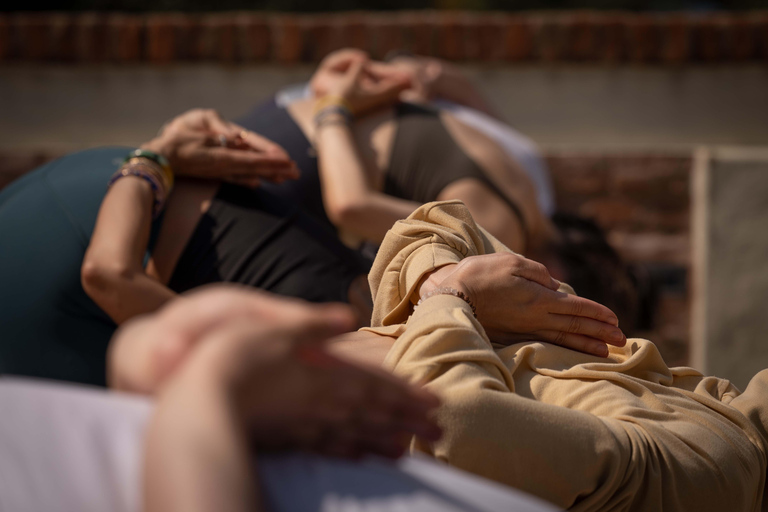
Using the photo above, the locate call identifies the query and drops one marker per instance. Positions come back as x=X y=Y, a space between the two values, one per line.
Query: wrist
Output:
x=432 y=281
x=158 y=145
x=339 y=101
x=449 y=290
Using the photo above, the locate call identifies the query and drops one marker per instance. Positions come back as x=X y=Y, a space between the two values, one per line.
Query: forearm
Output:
x=126 y=295
x=553 y=452
x=436 y=235
x=112 y=272
x=350 y=201
x=197 y=456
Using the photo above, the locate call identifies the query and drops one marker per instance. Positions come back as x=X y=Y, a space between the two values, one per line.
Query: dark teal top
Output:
x=49 y=327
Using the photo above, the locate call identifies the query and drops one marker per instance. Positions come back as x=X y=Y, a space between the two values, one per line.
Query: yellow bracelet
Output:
x=332 y=101
x=163 y=173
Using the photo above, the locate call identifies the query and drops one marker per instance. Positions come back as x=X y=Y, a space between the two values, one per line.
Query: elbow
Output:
x=347 y=213
x=99 y=278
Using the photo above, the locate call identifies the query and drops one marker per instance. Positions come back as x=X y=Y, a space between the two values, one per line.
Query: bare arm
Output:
x=113 y=272
x=197 y=453
x=351 y=202
x=255 y=375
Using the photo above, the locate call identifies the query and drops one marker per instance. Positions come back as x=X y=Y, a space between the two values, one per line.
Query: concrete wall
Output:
x=574 y=107
x=730 y=238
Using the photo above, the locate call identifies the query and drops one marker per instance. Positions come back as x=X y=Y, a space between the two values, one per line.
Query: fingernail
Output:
x=602 y=351
x=616 y=336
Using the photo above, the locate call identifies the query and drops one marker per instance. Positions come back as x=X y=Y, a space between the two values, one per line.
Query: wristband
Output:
x=156 y=158
x=152 y=175
x=334 y=114
x=449 y=291
x=332 y=101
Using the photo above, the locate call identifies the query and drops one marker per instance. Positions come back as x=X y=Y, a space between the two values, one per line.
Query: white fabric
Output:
x=73 y=448
x=69 y=448
x=519 y=147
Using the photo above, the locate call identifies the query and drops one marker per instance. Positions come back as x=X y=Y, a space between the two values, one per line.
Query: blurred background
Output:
x=652 y=115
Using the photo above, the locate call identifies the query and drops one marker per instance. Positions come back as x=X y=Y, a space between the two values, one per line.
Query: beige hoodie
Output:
x=622 y=433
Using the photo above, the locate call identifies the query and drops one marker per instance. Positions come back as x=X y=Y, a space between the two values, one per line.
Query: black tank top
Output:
x=276 y=124
x=425 y=159
x=256 y=238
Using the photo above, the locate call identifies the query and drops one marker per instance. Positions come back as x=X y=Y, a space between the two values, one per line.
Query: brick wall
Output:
x=643 y=203
x=641 y=200
x=609 y=38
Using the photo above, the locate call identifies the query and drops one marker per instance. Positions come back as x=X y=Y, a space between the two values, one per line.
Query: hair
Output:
x=596 y=271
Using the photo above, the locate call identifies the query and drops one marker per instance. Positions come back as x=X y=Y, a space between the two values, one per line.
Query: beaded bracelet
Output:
x=152 y=175
x=449 y=291
x=334 y=114
x=332 y=101
x=165 y=166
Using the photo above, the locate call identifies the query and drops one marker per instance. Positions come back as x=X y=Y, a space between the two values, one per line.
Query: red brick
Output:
x=33 y=34
x=456 y=35
x=387 y=37
x=552 y=40
x=709 y=40
x=578 y=178
x=125 y=37
x=582 y=34
x=472 y=31
x=320 y=37
x=740 y=36
x=203 y=34
x=288 y=44
x=658 y=183
x=450 y=35
x=161 y=39
x=676 y=45
x=490 y=38
x=642 y=39
x=419 y=31
x=761 y=33
x=611 y=213
x=254 y=38
x=353 y=32
x=63 y=43
x=611 y=39
x=191 y=40
x=518 y=40
x=90 y=37
x=5 y=37
x=224 y=39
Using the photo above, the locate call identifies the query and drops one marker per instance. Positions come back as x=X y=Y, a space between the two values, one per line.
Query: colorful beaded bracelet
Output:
x=142 y=169
x=158 y=159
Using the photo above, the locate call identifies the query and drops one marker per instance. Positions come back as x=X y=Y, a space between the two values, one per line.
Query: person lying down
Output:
x=456 y=311
x=583 y=432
